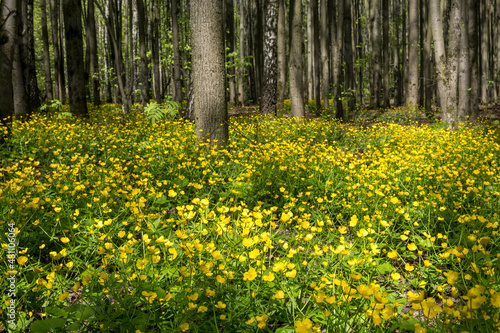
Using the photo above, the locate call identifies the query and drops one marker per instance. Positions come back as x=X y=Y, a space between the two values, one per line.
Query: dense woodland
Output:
x=379 y=53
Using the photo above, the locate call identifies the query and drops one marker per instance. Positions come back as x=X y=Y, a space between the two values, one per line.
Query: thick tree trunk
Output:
x=296 y=87
x=7 y=49
x=412 y=91
x=473 y=10
x=46 y=54
x=325 y=78
x=209 y=75
x=74 y=51
x=268 y=104
x=281 y=55
x=447 y=63
x=18 y=84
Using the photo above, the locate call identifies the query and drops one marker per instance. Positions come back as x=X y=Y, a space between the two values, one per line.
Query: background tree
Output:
x=46 y=51
x=296 y=90
x=74 y=51
x=209 y=74
x=268 y=104
x=7 y=48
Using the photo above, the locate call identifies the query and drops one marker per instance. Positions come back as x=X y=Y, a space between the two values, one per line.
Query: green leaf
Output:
x=47 y=325
x=385 y=268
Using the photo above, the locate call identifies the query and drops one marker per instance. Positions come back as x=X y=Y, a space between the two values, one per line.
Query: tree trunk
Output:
x=257 y=43
x=296 y=87
x=484 y=53
x=19 y=91
x=74 y=51
x=337 y=40
x=325 y=84
x=8 y=43
x=447 y=64
x=177 y=60
x=62 y=43
x=144 y=84
x=386 y=54
x=428 y=81
x=473 y=10
x=310 y=52
x=230 y=42
x=316 y=50
x=376 y=74
x=209 y=75
x=270 y=60
x=348 y=55
x=54 y=16
x=46 y=54
x=281 y=55
x=398 y=79
x=412 y=91
x=464 y=82
x=244 y=51
x=94 y=60
x=156 y=50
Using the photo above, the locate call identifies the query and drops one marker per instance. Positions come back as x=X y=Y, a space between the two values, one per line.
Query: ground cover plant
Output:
x=124 y=224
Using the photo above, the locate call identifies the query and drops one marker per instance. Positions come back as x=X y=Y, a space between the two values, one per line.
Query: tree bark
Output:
x=412 y=91
x=348 y=55
x=375 y=41
x=325 y=84
x=177 y=60
x=447 y=63
x=74 y=51
x=257 y=33
x=337 y=40
x=156 y=50
x=310 y=52
x=144 y=83
x=7 y=49
x=268 y=103
x=46 y=54
x=94 y=60
x=281 y=55
x=229 y=14
x=386 y=54
x=485 y=78
x=243 y=71
x=316 y=50
x=473 y=11
x=398 y=80
x=296 y=87
x=209 y=75
x=62 y=44
x=464 y=73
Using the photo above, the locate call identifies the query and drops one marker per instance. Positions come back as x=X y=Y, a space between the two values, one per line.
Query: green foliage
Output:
x=167 y=111
x=51 y=106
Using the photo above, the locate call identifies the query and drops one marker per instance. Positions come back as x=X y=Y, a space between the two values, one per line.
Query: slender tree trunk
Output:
x=386 y=54
x=74 y=51
x=46 y=55
x=19 y=91
x=316 y=49
x=54 y=16
x=155 y=50
x=376 y=74
x=296 y=87
x=144 y=84
x=310 y=52
x=229 y=14
x=337 y=54
x=404 y=63
x=209 y=75
x=270 y=60
x=62 y=43
x=325 y=78
x=484 y=53
x=398 y=80
x=428 y=63
x=497 y=43
x=177 y=60
x=243 y=71
x=412 y=94
x=7 y=49
x=257 y=43
x=94 y=59
x=348 y=55
x=464 y=82
x=281 y=55
x=473 y=10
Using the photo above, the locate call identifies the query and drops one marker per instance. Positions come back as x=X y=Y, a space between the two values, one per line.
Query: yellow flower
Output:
x=279 y=295
x=304 y=326
x=395 y=276
x=22 y=260
x=452 y=277
x=63 y=296
x=291 y=274
x=210 y=292
x=149 y=295
x=184 y=327
x=412 y=247
x=192 y=306
x=202 y=309
x=140 y=263
x=354 y=221
x=387 y=312
x=121 y=234
x=254 y=254
x=365 y=290
x=220 y=305
x=409 y=267
x=250 y=275
x=392 y=254
x=269 y=277
x=65 y=240
x=173 y=253
x=220 y=279
x=419 y=328
x=342 y=230
x=495 y=299
x=193 y=297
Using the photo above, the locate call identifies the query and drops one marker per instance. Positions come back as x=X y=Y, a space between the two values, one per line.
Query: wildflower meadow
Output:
x=127 y=225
